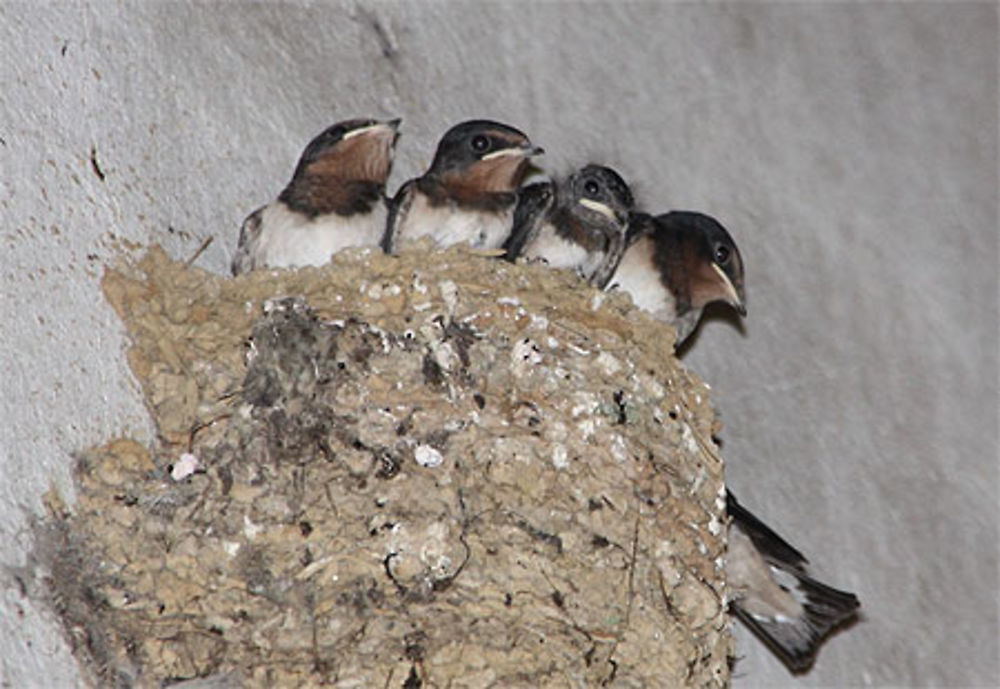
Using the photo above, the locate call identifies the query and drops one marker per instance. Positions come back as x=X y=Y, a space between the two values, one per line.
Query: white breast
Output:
x=559 y=252
x=637 y=275
x=447 y=224
x=289 y=238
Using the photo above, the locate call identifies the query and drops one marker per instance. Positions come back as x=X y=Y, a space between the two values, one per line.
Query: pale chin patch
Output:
x=599 y=207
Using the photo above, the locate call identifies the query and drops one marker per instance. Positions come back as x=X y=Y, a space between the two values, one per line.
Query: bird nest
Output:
x=432 y=469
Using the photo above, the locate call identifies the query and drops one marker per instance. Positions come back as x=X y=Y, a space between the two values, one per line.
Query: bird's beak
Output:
x=732 y=295
x=599 y=207
x=525 y=151
x=387 y=128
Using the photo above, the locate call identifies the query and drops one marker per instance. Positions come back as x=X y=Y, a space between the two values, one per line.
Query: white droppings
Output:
x=449 y=293
x=715 y=526
x=619 y=450
x=432 y=550
x=445 y=356
x=428 y=456
x=423 y=306
x=556 y=432
x=540 y=322
x=510 y=301
x=526 y=351
x=560 y=457
x=652 y=386
x=664 y=549
x=596 y=301
x=608 y=363
x=250 y=530
x=551 y=342
x=698 y=480
x=687 y=435
x=585 y=404
x=186 y=465
x=436 y=531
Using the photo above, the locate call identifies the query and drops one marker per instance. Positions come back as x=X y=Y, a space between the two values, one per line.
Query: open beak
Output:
x=732 y=295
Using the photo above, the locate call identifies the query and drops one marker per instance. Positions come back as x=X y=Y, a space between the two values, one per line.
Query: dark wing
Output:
x=245 y=258
x=773 y=547
x=399 y=206
x=639 y=224
x=533 y=204
x=794 y=641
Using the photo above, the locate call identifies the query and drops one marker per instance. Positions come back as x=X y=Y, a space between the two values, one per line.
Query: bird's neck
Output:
x=446 y=190
x=571 y=227
x=673 y=260
x=315 y=195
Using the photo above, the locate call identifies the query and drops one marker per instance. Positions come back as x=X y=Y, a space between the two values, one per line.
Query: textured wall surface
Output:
x=851 y=149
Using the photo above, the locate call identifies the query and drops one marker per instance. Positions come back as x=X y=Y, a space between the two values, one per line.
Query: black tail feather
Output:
x=794 y=641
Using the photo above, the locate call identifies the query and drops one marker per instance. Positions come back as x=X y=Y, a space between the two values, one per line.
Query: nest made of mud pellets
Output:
x=435 y=469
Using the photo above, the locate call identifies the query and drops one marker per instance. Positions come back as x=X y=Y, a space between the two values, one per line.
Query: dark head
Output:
x=601 y=190
x=712 y=266
x=351 y=150
x=483 y=156
x=344 y=169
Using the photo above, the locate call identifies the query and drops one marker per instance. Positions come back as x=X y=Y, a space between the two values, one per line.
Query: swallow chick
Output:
x=336 y=199
x=579 y=223
x=678 y=263
x=774 y=595
x=469 y=192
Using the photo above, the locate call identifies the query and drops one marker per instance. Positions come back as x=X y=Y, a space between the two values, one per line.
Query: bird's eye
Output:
x=721 y=254
x=591 y=187
x=480 y=144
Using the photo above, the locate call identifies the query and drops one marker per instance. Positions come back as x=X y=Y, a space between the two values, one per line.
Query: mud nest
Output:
x=431 y=470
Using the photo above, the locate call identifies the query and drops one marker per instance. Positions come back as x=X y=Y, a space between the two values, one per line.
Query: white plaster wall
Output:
x=850 y=148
